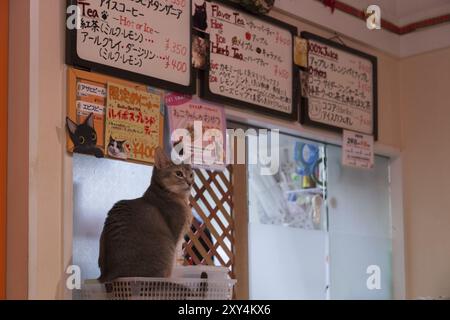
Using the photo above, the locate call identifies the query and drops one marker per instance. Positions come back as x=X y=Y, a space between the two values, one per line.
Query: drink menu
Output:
x=146 y=37
x=251 y=59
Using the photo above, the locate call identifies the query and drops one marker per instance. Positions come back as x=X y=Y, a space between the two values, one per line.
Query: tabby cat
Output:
x=140 y=236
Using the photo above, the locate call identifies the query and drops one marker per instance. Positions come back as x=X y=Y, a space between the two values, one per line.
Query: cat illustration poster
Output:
x=86 y=127
x=197 y=116
x=199 y=15
x=134 y=124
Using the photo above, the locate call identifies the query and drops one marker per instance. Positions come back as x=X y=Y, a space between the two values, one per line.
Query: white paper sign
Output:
x=357 y=150
x=85 y=108
x=86 y=90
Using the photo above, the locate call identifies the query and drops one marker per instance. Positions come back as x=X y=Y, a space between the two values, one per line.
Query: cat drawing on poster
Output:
x=117 y=149
x=200 y=16
x=84 y=137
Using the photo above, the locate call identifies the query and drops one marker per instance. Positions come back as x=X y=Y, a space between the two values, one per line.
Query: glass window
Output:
x=359 y=229
x=97 y=185
x=287 y=222
x=318 y=230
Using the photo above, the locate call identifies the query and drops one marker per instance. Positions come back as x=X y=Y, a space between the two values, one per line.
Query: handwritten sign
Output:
x=251 y=61
x=199 y=118
x=357 y=150
x=140 y=40
x=133 y=129
x=86 y=89
x=341 y=86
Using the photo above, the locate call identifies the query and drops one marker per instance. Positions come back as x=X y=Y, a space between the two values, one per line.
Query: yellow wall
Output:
x=425 y=110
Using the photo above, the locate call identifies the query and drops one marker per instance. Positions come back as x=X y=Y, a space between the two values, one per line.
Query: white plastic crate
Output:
x=185 y=285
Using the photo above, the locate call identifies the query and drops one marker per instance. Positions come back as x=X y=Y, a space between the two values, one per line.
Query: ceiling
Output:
x=398 y=12
x=402 y=12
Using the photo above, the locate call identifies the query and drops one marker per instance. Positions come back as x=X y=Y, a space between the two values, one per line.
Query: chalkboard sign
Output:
x=341 y=91
x=145 y=41
x=250 y=61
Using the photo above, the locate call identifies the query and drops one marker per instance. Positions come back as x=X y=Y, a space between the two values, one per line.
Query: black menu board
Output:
x=145 y=41
x=341 y=88
x=250 y=61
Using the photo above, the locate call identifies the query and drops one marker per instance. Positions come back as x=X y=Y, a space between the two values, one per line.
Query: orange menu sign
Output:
x=91 y=99
x=133 y=123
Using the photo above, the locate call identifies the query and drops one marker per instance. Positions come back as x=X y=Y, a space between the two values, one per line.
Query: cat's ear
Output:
x=162 y=161
x=71 y=126
x=90 y=121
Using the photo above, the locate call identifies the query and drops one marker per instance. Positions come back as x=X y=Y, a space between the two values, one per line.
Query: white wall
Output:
x=425 y=103
x=395 y=11
x=47 y=148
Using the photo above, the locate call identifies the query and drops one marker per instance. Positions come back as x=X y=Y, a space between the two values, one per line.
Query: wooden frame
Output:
x=206 y=93
x=240 y=203
x=73 y=59
x=72 y=77
x=4 y=16
x=304 y=108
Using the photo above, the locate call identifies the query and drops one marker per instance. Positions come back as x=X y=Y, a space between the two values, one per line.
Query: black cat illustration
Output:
x=200 y=17
x=84 y=137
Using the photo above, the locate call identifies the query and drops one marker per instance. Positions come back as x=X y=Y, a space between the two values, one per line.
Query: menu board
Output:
x=113 y=118
x=341 y=87
x=85 y=123
x=91 y=99
x=145 y=41
x=250 y=61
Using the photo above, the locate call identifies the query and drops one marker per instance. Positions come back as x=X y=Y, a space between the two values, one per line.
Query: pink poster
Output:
x=198 y=128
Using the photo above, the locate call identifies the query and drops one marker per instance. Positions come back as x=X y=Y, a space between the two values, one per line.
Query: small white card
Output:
x=357 y=150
